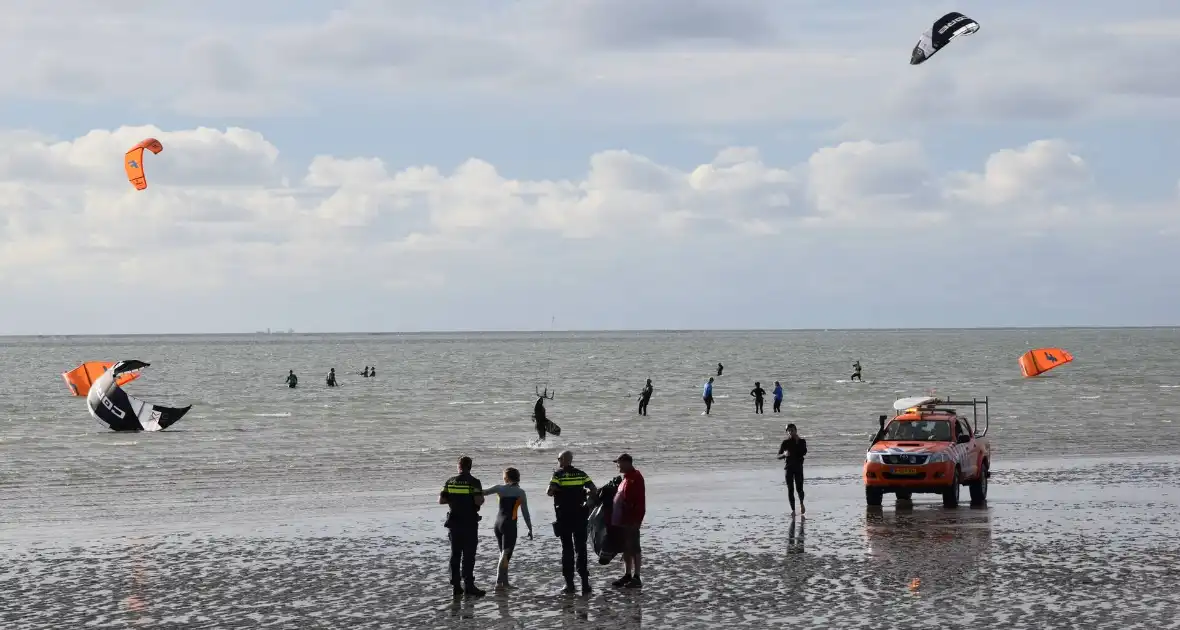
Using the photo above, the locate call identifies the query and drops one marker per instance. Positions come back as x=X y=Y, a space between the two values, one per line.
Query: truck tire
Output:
x=874 y=496
x=950 y=496
x=978 y=486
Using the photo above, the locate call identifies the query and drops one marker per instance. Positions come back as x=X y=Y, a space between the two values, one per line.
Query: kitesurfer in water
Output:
x=758 y=393
x=708 y=396
x=856 y=373
x=794 y=449
x=778 y=397
x=292 y=380
x=539 y=415
x=645 y=397
x=331 y=377
x=373 y=372
x=720 y=368
x=366 y=372
x=512 y=501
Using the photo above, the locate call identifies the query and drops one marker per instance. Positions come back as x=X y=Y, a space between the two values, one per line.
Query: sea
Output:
x=316 y=507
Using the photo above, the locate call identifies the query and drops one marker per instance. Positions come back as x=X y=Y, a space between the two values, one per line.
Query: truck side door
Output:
x=968 y=451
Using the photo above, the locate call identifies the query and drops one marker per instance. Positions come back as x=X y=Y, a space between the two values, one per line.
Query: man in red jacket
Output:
x=628 y=509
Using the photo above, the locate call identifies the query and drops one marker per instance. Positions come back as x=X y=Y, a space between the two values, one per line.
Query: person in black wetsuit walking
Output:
x=570 y=488
x=463 y=493
x=758 y=393
x=645 y=397
x=794 y=449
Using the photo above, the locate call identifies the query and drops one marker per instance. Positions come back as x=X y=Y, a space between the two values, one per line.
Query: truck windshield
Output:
x=918 y=431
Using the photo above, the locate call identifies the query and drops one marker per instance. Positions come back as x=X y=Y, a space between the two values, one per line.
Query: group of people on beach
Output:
x=574 y=495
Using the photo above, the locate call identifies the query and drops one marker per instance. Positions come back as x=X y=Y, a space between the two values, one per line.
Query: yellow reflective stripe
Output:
x=457 y=489
x=573 y=481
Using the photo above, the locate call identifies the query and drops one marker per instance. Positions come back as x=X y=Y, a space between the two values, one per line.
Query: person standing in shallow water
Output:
x=708 y=396
x=758 y=393
x=463 y=493
x=794 y=449
x=331 y=380
x=720 y=368
x=778 y=397
x=645 y=397
x=292 y=380
x=856 y=373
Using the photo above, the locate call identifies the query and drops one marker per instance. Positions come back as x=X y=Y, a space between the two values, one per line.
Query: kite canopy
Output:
x=112 y=406
x=133 y=161
x=945 y=29
x=82 y=377
x=1041 y=360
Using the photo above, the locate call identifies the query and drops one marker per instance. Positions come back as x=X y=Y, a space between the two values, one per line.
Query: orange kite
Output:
x=82 y=377
x=133 y=161
x=1041 y=360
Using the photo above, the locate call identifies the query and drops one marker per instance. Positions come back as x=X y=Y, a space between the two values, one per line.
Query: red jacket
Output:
x=630 y=503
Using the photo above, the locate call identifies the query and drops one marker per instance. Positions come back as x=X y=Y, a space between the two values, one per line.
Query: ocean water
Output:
x=315 y=507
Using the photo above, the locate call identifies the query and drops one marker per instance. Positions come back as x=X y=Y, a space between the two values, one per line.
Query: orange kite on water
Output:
x=82 y=377
x=1041 y=360
x=133 y=161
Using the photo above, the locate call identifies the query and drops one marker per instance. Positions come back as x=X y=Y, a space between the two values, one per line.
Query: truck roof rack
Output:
x=930 y=403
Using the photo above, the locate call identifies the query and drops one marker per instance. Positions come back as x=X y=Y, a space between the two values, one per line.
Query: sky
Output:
x=407 y=165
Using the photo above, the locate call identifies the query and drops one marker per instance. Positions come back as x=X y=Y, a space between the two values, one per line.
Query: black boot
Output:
x=569 y=587
x=472 y=591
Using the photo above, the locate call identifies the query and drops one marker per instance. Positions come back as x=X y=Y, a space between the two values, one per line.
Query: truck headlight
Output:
x=874 y=458
x=938 y=458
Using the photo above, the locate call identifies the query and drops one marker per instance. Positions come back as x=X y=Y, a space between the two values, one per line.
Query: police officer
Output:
x=569 y=488
x=463 y=494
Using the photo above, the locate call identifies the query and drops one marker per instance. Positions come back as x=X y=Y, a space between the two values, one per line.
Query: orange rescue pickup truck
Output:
x=930 y=448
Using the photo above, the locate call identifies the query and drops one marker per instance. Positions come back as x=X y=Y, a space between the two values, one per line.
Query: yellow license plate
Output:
x=905 y=471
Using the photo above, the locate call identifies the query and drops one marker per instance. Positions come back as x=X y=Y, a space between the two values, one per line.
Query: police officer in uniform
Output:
x=463 y=494
x=570 y=488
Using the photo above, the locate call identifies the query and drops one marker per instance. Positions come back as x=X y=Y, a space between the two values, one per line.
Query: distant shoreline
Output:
x=427 y=333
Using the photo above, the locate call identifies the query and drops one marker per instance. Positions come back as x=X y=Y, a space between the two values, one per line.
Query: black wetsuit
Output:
x=540 y=418
x=331 y=379
x=512 y=501
x=758 y=393
x=463 y=523
x=644 y=398
x=855 y=372
x=719 y=369
x=292 y=380
x=569 y=504
x=796 y=450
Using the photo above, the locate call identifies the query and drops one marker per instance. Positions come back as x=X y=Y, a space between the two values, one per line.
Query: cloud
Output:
x=220 y=214
x=717 y=61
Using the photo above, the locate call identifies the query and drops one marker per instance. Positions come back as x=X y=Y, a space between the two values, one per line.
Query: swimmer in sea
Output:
x=856 y=373
x=332 y=378
x=292 y=380
x=512 y=501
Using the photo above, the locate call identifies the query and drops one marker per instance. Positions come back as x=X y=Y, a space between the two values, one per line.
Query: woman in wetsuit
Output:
x=512 y=501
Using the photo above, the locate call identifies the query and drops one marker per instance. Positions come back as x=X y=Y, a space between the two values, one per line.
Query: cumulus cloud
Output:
x=219 y=213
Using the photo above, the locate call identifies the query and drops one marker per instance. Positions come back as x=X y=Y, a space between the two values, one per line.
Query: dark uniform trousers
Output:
x=573 y=543
x=464 y=539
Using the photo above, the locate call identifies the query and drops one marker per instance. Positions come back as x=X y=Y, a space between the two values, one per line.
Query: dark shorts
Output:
x=627 y=538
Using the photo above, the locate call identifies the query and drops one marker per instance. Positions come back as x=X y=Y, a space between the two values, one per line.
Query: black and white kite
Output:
x=120 y=411
x=945 y=29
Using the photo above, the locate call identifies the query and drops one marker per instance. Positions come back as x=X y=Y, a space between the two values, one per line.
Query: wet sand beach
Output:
x=1061 y=544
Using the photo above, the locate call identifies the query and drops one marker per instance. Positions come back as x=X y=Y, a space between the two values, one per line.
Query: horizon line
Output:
x=592 y=330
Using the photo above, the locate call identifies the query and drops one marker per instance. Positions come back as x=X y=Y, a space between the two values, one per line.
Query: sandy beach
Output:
x=1080 y=543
